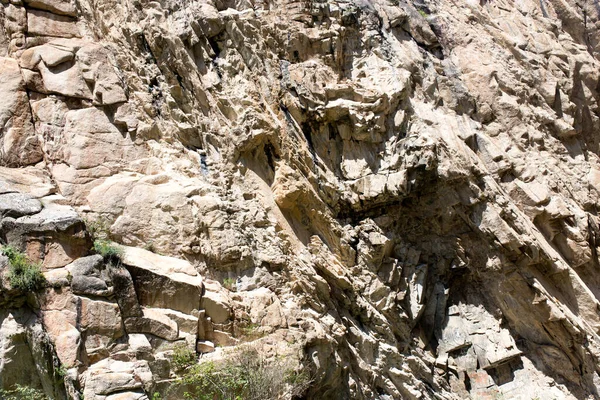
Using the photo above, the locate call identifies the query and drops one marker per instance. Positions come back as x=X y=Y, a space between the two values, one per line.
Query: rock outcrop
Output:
x=402 y=197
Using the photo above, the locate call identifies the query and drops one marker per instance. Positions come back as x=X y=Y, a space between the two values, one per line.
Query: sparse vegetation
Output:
x=150 y=246
x=229 y=284
x=100 y=232
x=19 y=392
x=98 y=228
x=22 y=273
x=61 y=371
x=244 y=377
x=108 y=250
x=183 y=357
x=250 y=331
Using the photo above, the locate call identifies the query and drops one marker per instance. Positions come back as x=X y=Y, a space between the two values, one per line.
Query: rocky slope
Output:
x=399 y=196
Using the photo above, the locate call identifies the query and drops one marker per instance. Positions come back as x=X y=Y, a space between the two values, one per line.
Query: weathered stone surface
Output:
x=101 y=317
x=18 y=364
x=216 y=305
x=29 y=180
x=399 y=195
x=108 y=377
x=205 y=346
x=18 y=204
x=155 y=322
x=181 y=286
x=64 y=7
x=89 y=276
x=19 y=143
x=125 y=292
x=42 y=23
x=55 y=235
x=127 y=396
x=139 y=343
x=61 y=326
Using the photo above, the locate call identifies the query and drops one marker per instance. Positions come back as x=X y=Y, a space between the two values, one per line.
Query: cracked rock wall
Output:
x=404 y=194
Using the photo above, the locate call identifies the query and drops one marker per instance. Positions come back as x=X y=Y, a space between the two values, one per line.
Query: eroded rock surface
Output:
x=402 y=196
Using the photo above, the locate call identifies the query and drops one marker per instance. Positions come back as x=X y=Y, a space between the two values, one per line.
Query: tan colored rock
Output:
x=65 y=79
x=139 y=343
x=42 y=23
x=159 y=202
x=17 y=364
x=49 y=54
x=19 y=144
x=205 y=346
x=185 y=323
x=223 y=338
x=109 y=382
x=181 y=286
x=127 y=396
x=61 y=326
x=369 y=175
x=29 y=180
x=155 y=322
x=86 y=133
x=102 y=317
x=63 y=7
x=216 y=306
x=96 y=66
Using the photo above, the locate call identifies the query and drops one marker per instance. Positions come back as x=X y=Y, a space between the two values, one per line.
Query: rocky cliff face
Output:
x=401 y=197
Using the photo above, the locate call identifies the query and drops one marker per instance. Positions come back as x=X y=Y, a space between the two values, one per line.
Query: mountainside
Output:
x=382 y=199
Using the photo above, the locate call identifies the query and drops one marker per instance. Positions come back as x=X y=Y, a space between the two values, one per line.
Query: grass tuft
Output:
x=108 y=250
x=22 y=273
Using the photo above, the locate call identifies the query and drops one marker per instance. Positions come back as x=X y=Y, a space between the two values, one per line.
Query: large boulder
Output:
x=18 y=204
x=163 y=282
x=19 y=144
x=55 y=235
x=90 y=276
x=25 y=357
x=63 y=7
x=155 y=322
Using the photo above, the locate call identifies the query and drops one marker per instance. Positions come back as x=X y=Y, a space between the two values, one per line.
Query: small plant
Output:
x=150 y=246
x=61 y=371
x=108 y=250
x=229 y=284
x=183 y=357
x=245 y=376
x=156 y=396
x=22 y=274
x=19 y=392
x=250 y=331
x=98 y=228
x=423 y=13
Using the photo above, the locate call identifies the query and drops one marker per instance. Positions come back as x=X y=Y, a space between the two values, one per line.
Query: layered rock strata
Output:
x=401 y=196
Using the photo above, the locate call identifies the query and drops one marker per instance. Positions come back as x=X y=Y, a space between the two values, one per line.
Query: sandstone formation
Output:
x=401 y=197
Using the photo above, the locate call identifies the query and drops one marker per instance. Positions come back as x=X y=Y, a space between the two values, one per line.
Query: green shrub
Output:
x=61 y=371
x=243 y=377
x=98 y=228
x=229 y=283
x=22 y=274
x=22 y=393
x=108 y=250
x=183 y=357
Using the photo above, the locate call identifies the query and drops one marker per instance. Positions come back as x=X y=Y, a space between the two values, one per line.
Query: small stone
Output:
x=205 y=346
